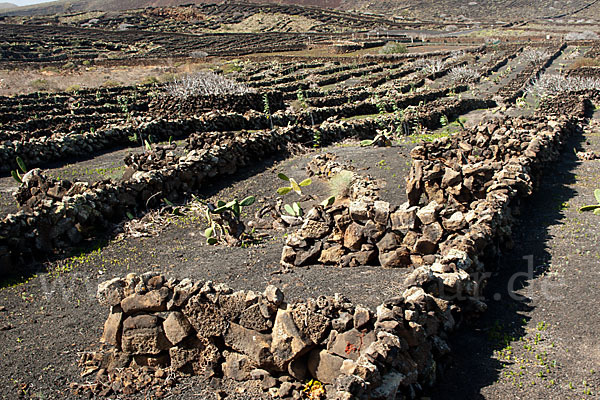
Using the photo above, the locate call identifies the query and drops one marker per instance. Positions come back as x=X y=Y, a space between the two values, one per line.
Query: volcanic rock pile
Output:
x=208 y=329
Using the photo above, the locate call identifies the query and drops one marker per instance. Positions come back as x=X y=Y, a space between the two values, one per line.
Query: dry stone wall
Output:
x=461 y=191
x=37 y=151
x=515 y=88
x=169 y=105
x=61 y=221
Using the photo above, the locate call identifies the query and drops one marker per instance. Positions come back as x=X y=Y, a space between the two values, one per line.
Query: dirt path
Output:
x=538 y=339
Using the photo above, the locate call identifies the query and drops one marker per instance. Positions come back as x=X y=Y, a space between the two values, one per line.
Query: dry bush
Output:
x=110 y=84
x=535 y=56
x=340 y=184
x=455 y=56
x=464 y=74
x=393 y=48
x=573 y=54
x=198 y=54
x=553 y=84
x=40 y=84
x=430 y=66
x=204 y=83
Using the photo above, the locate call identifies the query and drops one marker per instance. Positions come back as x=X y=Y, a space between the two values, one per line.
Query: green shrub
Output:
x=40 y=84
x=393 y=48
x=73 y=89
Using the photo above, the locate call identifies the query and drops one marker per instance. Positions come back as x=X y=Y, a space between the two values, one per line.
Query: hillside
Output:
x=214 y=18
x=421 y=9
x=480 y=9
x=7 y=5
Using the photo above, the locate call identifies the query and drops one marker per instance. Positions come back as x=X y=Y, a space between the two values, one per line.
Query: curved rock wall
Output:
x=465 y=186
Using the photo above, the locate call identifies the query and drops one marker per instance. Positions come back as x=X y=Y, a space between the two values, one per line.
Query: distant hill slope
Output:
x=480 y=9
x=423 y=9
x=7 y=5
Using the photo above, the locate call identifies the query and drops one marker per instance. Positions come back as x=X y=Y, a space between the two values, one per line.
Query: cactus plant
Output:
x=16 y=174
x=294 y=209
x=328 y=201
x=225 y=220
x=595 y=208
x=295 y=186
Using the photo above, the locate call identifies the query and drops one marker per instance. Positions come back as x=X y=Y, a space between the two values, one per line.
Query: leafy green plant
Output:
x=134 y=138
x=316 y=138
x=16 y=174
x=267 y=108
x=595 y=208
x=328 y=202
x=301 y=98
x=294 y=209
x=443 y=121
x=224 y=220
x=380 y=103
x=174 y=209
x=295 y=186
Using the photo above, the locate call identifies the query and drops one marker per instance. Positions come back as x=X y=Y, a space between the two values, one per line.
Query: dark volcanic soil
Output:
x=53 y=317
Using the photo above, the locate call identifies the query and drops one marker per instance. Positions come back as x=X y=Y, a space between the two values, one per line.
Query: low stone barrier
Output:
x=35 y=152
x=515 y=88
x=66 y=217
x=194 y=105
x=461 y=192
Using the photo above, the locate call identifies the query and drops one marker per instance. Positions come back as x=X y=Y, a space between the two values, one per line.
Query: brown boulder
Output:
x=253 y=344
x=314 y=229
x=288 y=342
x=324 y=366
x=153 y=301
x=205 y=317
x=143 y=334
x=112 y=327
x=353 y=236
x=332 y=255
x=176 y=327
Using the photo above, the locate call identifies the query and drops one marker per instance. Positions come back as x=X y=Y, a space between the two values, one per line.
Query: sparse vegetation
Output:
x=226 y=145
x=16 y=174
x=554 y=84
x=204 y=83
x=464 y=74
x=394 y=48
x=595 y=208
x=430 y=66
x=534 y=56
x=224 y=220
x=340 y=184
x=294 y=186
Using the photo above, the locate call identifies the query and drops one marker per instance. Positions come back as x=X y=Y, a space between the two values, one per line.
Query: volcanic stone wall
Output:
x=66 y=215
x=37 y=151
x=193 y=105
x=461 y=188
x=515 y=88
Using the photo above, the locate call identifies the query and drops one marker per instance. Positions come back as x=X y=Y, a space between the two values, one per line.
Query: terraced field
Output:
x=320 y=231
